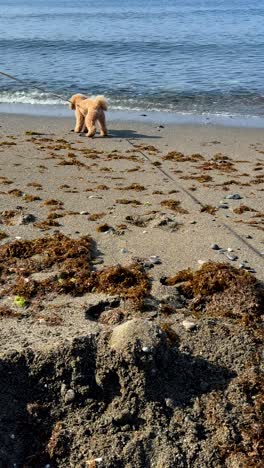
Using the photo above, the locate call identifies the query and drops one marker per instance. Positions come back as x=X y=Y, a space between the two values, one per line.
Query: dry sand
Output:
x=129 y=183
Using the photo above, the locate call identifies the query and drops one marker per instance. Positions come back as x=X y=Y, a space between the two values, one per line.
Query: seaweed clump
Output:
x=221 y=290
x=22 y=258
x=209 y=209
x=174 y=205
x=129 y=282
x=67 y=265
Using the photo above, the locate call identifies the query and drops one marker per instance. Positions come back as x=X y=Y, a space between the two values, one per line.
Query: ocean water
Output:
x=189 y=57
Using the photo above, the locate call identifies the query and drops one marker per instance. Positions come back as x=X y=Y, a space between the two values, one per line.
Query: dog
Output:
x=88 y=111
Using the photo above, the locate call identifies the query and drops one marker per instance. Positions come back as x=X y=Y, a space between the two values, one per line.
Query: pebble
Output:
x=188 y=325
x=224 y=206
x=95 y=196
x=98 y=261
x=84 y=212
x=215 y=247
x=63 y=390
x=234 y=196
x=246 y=267
x=69 y=396
x=193 y=222
x=92 y=463
x=124 y=250
x=229 y=249
x=232 y=257
x=144 y=232
x=201 y=262
x=170 y=403
x=26 y=219
x=155 y=259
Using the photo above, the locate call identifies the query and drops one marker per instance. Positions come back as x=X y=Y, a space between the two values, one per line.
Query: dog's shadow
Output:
x=130 y=134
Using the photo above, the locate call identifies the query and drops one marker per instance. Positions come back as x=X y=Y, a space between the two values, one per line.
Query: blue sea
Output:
x=184 y=57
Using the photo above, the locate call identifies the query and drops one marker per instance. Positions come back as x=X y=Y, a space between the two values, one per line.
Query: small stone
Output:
x=26 y=219
x=193 y=222
x=144 y=232
x=232 y=257
x=169 y=403
x=98 y=261
x=230 y=249
x=188 y=325
x=84 y=212
x=215 y=247
x=223 y=206
x=148 y=265
x=234 y=196
x=93 y=463
x=69 y=396
x=201 y=262
x=155 y=260
x=124 y=250
x=145 y=349
x=95 y=196
x=63 y=390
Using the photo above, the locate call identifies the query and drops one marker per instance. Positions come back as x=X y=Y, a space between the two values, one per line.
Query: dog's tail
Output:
x=101 y=102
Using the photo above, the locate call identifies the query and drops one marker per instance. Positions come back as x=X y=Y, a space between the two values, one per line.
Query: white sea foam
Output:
x=29 y=97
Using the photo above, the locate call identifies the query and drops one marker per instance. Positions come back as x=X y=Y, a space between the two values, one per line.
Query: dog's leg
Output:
x=90 y=120
x=102 y=125
x=79 y=121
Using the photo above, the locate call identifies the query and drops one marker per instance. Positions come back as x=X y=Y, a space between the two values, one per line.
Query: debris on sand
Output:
x=174 y=205
x=209 y=209
x=68 y=264
x=220 y=289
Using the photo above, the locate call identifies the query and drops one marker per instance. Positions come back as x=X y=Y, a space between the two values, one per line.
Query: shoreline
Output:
x=140 y=116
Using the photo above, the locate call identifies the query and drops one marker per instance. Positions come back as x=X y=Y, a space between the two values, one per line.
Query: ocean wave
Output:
x=32 y=97
x=190 y=104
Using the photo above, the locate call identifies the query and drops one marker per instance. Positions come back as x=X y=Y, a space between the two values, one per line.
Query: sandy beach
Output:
x=231 y=163
x=168 y=197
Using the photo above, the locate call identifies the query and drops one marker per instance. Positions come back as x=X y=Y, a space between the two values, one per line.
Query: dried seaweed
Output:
x=220 y=289
x=134 y=186
x=96 y=216
x=174 y=205
x=104 y=228
x=242 y=209
x=123 y=201
x=209 y=209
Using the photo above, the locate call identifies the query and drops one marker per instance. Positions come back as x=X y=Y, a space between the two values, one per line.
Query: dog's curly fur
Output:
x=87 y=112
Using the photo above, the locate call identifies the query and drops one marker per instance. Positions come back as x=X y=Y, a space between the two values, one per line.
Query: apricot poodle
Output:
x=87 y=112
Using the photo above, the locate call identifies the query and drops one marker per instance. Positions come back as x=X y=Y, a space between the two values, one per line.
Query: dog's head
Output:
x=75 y=99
